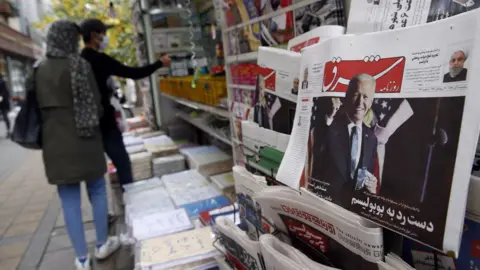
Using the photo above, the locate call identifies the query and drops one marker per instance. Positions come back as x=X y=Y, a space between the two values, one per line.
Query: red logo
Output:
x=307 y=234
x=301 y=45
x=268 y=76
x=388 y=73
x=476 y=248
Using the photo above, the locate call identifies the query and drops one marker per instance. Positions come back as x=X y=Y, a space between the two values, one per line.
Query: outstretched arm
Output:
x=120 y=70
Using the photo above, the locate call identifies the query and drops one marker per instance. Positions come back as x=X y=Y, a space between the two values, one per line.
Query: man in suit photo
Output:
x=344 y=152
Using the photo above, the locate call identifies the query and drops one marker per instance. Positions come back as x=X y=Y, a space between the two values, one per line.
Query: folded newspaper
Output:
x=242 y=252
x=390 y=135
x=278 y=255
x=277 y=89
x=376 y=15
x=323 y=232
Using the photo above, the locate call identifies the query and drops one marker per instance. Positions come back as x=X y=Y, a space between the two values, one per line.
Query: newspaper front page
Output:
x=374 y=15
x=387 y=124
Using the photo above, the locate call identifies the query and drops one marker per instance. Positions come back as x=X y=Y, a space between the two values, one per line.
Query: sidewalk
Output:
x=32 y=232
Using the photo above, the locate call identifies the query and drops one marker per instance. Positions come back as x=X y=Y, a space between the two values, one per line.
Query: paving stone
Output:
x=13 y=250
x=62 y=241
x=21 y=229
x=59 y=260
x=9 y=264
x=26 y=217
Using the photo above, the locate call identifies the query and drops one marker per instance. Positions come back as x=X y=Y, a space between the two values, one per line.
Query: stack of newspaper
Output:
x=131 y=141
x=157 y=224
x=224 y=181
x=208 y=160
x=323 y=230
x=168 y=165
x=190 y=190
x=139 y=203
x=152 y=134
x=141 y=165
x=160 y=146
x=176 y=251
x=135 y=149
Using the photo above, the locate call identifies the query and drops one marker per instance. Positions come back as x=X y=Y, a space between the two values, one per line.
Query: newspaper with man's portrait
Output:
x=388 y=125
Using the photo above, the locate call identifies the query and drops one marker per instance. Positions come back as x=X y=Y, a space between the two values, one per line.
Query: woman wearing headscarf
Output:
x=69 y=103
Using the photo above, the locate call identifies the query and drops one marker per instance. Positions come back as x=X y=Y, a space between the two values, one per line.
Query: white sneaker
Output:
x=112 y=244
x=83 y=266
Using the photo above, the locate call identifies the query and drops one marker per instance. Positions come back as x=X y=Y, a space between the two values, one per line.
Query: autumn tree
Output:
x=121 y=45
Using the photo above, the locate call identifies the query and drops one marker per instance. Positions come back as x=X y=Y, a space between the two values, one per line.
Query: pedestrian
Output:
x=72 y=147
x=5 y=103
x=95 y=39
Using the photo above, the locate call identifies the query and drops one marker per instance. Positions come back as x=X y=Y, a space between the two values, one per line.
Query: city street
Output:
x=32 y=232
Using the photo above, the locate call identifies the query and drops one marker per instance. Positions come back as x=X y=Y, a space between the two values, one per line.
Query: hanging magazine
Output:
x=387 y=126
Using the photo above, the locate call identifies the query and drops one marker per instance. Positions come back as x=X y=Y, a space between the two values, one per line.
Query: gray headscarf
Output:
x=62 y=42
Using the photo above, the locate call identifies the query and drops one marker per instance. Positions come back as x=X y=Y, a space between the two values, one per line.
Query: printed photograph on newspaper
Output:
x=276 y=89
x=371 y=16
x=393 y=128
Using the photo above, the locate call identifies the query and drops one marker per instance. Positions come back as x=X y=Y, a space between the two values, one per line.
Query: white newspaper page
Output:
x=375 y=15
x=392 y=120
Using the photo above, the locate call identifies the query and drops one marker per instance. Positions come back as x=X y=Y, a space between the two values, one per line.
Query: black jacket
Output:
x=5 y=103
x=332 y=157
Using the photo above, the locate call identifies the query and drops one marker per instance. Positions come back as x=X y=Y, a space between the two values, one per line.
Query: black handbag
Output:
x=27 y=128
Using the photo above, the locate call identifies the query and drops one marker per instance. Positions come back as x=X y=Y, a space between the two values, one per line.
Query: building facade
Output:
x=20 y=44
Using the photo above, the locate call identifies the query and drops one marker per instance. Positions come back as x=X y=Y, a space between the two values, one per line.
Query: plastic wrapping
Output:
x=160 y=223
x=208 y=160
x=143 y=185
x=141 y=165
x=130 y=141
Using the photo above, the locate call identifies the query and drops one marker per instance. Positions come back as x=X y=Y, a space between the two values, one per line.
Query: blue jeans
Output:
x=115 y=149
x=71 y=204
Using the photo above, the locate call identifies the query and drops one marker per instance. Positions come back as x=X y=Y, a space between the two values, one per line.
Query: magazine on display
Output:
x=332 y=237
x=318 y=14
x=246 y=186
x=374 y=15
x=388 y=135
x=276 y=89
x=263 y=149
x=279 y=29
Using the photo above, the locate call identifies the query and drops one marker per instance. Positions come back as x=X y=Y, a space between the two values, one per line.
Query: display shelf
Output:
x=157 y=11
x=199 y=123
x=271 y=15
x=241 y=86
x=244 y=57
x=199 y=106
x=174 y=50
x=174 y=29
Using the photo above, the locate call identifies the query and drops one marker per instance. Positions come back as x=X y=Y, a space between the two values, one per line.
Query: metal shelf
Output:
x=199 y=123
x=174 y=29
x=173 y=50
x=244 y=57
x=199 y=106
x=241 y=86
